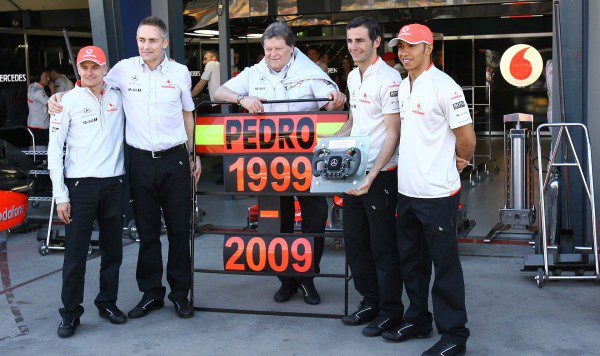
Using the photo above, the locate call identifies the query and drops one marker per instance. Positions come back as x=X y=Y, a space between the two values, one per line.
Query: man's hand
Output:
x=338 y=99
x=364 y=188
x=461 y=164
x=253 y=104
x=53 y=104
x=64 y=212
x=196 y=169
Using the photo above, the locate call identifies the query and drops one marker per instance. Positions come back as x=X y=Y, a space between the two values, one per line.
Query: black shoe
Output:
x=286 y=291
x=379 y=325
x=145 y=306
x=309 y=292
x=445 y=348
x=405 y=332
x=183 y=307
x=67 y=327
x=113 y=314
x=364 y=314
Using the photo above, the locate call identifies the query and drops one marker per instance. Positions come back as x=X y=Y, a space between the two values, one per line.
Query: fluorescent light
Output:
x=254 y=35
x=207 y=32
x=197 y=34
x=520 y=16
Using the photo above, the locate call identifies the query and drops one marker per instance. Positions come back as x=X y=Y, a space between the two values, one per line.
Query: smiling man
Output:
x=91 y=124
x=436 y=134
x=159 y=133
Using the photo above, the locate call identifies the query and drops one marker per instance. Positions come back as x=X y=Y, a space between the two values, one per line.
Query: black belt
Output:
x=159 y=154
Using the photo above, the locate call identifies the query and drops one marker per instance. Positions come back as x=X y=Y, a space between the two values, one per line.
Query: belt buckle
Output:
x=154 y=155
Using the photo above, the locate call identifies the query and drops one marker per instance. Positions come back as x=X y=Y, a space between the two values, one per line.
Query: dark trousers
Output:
x=370 y=238
x=162 y=183
x=314 y=218
x=101 y=199
x=426 y=234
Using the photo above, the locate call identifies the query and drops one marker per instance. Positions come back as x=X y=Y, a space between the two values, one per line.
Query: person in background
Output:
x=210 y=76
x=324 y=62
x=341 y=77
x=61 y=82
x=390 y=59
x=38 y=119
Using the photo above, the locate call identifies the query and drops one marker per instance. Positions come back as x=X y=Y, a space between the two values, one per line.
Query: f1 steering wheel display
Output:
x=338 y=164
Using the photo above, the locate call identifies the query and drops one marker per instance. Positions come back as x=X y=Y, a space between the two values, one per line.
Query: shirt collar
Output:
x=425 y=73
x=161 y=67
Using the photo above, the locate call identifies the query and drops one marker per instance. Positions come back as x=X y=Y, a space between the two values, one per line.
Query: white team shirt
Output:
x=153 y=101
x=93 y=132
x=300 y=79
x=213 y=76
x=370 y=98
x=37 y=101
x=63 y=84
x=427 y=164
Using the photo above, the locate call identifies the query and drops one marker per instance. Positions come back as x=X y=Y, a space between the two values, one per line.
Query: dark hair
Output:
x=281 y=30
x=212 y=53
x=156 y=22
x=369 y=23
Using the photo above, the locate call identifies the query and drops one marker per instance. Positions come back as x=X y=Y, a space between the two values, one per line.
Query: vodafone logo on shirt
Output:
x=13 y=209
x=521 y=65
x=111 y=107
x=168 y=85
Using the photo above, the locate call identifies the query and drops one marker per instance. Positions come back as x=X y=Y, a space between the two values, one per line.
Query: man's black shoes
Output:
x=309 y=292
x=286 y=291
x=145 y=306
x=379 y=325
x=183 y=307
x=445 y=348
x=67 y=327
x=112 y=314
x=405 y=332
x=364 y=314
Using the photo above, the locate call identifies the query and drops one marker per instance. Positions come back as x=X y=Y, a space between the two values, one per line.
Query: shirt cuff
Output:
x=60 y=200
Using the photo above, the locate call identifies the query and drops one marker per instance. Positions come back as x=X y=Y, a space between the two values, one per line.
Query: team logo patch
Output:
x=134 y=78
x=87 y=110
x=460 y=104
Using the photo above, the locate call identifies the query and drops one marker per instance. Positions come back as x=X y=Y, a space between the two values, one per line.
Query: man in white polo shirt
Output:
x=210 y=76
x=159 y=133
x=436 y=132
x=369 y=223
x=91 y=124
x=37 y=102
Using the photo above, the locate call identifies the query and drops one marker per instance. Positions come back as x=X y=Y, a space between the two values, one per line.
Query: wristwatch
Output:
x=240 y=97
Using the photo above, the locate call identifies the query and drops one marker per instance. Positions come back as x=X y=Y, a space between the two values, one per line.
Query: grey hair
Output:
x=281 y=30
x=156 y=22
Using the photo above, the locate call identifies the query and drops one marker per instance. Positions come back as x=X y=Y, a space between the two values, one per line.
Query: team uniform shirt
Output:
x=371 y=97
x=63 y=84
x=299 y=79
x=93 y=132
x=213 y=76
x=435 y=106
x=153 y=101
x=37 y=101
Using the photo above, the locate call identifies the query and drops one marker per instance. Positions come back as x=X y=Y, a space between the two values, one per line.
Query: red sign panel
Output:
x=13 y=209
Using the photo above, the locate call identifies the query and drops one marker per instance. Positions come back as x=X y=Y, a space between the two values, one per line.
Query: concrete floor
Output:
x=508 y=314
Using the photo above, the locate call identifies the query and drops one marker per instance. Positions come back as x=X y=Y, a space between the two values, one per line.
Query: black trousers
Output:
x=162 y=183
x=101 y=199
x=314 y=218
x=426 y=234
x=370 y=238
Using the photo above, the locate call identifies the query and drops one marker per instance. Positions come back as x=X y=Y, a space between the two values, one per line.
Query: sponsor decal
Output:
x=460 y=104
x=168 y=85
x=394 y=94
x=260 y=88
x=85 y=122
x=418 y=110
x=13 y=78
x=134 y=78
x=521 y=65
x=87 y=110
x=456 y=95
x=13 y=209
x=139 y=90
x=54 y=129
x=111 y=107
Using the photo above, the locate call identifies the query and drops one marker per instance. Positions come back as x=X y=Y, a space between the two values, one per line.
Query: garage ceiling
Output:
x=37 y=5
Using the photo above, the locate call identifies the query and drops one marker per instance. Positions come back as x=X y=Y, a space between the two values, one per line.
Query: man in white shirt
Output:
x=286 y=73
x=436 y=135
x=369 y=223
x=210 y=76
x=61 y=82
x=159 y=132
x=91 y=187
x=38 y=119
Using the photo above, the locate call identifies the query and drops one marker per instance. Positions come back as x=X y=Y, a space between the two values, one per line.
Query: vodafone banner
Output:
x=13 y=209
x=521 y=65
